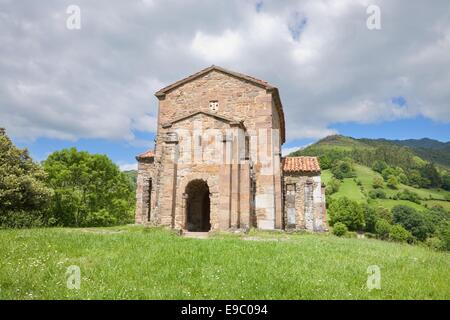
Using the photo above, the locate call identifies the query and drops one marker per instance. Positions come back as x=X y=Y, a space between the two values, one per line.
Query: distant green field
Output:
x=444 y=204
x=147 y=263
x=347 y=189
x=366 y=175
x=389 y=204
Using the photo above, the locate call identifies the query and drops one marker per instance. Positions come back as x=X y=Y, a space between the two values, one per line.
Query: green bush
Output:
x=379 y=166
x=343 y=169
x=347 y=212
x=392 y=182
x=435 y=243
x=377 y=194
x=370 y=218
x=408 y=195
x=400 y=234
x=339 y=229
x=443 y=233
x=384 y=213
x=383 y=228
x=415 y=222
x=378 y=182
x=89 y=189
x=333 y=186
x=99 y=218
x=446 y=181
x=24 y=197
x=21 y=219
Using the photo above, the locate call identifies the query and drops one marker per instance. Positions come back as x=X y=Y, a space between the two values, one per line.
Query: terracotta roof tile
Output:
x=301 y=164
x=146 y=155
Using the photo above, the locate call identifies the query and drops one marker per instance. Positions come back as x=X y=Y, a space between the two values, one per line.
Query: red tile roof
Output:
x=301 y=164
x=146 y=155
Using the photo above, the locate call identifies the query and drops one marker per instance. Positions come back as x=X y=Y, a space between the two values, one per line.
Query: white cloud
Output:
x=98 y=82
x=286 y=151
x=128 y=166
x=217 y=49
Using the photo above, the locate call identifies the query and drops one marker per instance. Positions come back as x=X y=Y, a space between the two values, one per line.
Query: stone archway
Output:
x=198 y=207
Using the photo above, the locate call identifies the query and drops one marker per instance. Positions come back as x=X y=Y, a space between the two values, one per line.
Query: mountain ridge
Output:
x=429 y=150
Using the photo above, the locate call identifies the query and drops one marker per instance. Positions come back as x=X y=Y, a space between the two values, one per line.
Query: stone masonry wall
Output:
x=238 y=100
x=297 y=188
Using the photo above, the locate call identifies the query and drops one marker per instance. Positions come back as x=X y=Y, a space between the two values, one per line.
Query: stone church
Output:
x=217 y=161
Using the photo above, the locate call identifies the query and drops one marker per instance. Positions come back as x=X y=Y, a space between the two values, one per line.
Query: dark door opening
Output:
x=198 y=206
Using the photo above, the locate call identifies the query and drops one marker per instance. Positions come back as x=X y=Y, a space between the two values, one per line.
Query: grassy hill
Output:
x=350 y=189
x=422 y=149
x=407 y=154
x=146 y=263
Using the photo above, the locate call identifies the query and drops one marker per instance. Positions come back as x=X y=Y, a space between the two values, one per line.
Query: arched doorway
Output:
x=198 y=206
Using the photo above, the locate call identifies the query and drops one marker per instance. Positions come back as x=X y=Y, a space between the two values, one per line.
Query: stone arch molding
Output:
x=213 y=187
x=211 y=181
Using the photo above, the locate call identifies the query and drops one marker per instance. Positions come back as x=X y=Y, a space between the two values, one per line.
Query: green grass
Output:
x=141 y=263
x=351 y=190
x=348 y=187
x=326 y=176
x=444 y=204
x=389 y=204
x=366 y=175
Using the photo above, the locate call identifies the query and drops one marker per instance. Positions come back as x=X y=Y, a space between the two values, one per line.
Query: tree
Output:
x=339 y=229
x=333 y=186
x=384 y=213
x=370 y=218
x=383 y=228
x=89 y=189
x=24 y=196
x=443 y=233
x=379 y=166
x=429 y=172
x=325 y=162
x=348 y=212
x=413 y=221
x=377 y=194
x=405 y=194
x=416 y=180
x=378 y=182
x=392 y=182
x=343 y=169
x=446 y=181
x=399 y=234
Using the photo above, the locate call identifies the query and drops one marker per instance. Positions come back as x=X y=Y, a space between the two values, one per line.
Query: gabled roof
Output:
x=214 y=115
x=146 y=155
x=260 y=83
x=301 y=164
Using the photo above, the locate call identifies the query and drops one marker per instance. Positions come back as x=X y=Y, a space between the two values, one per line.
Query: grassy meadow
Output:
x=133 y=262
x=350 y=189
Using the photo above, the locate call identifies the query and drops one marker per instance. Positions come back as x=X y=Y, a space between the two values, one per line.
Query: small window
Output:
x=213 y=105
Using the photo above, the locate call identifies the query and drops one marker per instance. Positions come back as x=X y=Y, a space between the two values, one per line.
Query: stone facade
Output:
x=217 y=159
x=304 y=202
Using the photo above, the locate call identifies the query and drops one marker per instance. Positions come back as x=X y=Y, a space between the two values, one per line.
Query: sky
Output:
x=93 y=87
